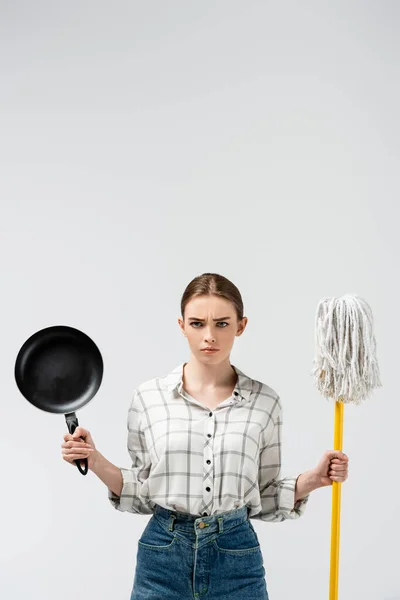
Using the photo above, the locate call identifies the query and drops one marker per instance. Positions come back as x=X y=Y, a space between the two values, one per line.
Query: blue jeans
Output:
x=186 y=557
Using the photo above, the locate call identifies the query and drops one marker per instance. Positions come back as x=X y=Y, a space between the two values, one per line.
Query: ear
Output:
x=181 y=325
x=242 y=326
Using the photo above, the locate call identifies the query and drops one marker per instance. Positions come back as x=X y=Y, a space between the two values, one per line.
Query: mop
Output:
x=345 y=368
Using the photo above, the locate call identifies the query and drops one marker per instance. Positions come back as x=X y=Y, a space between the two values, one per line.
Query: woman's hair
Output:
x=212 y=284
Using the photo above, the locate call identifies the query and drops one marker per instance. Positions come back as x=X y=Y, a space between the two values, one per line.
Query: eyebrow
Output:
x=197 y=319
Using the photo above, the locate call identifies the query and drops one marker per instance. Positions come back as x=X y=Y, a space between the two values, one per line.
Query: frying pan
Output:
x=59 y=369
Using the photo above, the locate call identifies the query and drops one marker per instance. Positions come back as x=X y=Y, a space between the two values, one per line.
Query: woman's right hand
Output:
x=74 y=448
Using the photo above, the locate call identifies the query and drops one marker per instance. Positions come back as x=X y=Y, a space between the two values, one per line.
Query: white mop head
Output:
x=345 y=364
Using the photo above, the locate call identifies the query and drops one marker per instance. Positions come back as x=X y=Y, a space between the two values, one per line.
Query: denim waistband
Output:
x=182 y=521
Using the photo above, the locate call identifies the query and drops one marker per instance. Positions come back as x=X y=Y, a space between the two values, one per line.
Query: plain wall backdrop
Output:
x=142 y=144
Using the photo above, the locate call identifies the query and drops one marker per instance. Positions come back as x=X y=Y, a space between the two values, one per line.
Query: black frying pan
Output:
x=59 y=369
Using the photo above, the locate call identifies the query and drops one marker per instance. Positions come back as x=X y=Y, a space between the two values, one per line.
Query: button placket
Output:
x=210 y=426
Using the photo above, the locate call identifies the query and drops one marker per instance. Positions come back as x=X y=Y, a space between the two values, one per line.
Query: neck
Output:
x=200 y=376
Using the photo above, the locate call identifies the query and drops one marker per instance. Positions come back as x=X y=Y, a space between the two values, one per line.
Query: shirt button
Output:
x=235 y=394
x=210 y=414
x=209 y=462
x=205 y=514
x=208 y=434
x=208 y=489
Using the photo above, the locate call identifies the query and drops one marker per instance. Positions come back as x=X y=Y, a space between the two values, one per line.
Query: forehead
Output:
x=209 y=305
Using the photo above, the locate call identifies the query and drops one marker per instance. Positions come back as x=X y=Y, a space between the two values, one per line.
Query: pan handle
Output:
x=72 y=423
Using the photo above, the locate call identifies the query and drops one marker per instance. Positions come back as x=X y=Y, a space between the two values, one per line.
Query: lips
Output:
x=209 y=349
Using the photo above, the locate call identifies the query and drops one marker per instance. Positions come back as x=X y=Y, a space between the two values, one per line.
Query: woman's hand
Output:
x=74 y=448
x=333 y=466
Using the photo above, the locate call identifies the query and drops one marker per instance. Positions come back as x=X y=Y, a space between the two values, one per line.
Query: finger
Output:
x=339 y=468
x=337 y=455
x=77 y=457
x=69 y=445
x=70 y=459
x=79 y=432
x=70 y=451
x=76 y=444
x=75 y=449
x=338 y=473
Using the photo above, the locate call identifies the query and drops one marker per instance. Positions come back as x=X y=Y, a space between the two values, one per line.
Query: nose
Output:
x=209 y=338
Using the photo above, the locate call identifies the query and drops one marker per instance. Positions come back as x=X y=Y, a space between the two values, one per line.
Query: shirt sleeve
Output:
x=131 y=498
x=277 y=495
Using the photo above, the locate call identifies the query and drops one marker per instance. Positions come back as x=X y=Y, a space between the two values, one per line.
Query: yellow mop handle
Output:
x=336 y=495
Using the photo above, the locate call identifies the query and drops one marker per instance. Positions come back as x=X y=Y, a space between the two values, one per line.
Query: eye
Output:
x=227 y=324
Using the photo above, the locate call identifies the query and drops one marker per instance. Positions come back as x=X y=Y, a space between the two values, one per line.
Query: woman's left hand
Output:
x=333 y=466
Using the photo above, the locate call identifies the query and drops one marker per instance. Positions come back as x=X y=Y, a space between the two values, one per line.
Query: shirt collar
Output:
x=242 y=390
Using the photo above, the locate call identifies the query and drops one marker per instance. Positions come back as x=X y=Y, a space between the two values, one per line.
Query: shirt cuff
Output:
x=130 y=499
x=287 y=506
x=128 y=492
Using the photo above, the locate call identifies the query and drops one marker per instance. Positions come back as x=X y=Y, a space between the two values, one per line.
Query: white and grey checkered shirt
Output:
x=189 y=458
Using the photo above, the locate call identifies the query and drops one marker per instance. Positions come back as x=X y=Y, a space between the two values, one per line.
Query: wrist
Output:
x=306 y=483
x=314 y=479
x=96 y=459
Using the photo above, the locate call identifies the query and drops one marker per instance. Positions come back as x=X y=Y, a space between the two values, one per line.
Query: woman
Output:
x=205 y=444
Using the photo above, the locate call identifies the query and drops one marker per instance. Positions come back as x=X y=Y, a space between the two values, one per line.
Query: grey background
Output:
x=143 y=143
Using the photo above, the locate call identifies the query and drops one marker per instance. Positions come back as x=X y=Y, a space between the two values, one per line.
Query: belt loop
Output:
x=220 y=524
x=171 y=522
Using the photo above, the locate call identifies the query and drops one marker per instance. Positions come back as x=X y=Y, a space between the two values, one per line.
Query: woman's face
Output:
x=211 y=321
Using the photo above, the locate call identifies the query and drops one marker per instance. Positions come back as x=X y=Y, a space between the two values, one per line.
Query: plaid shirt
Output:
x=188 y=458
